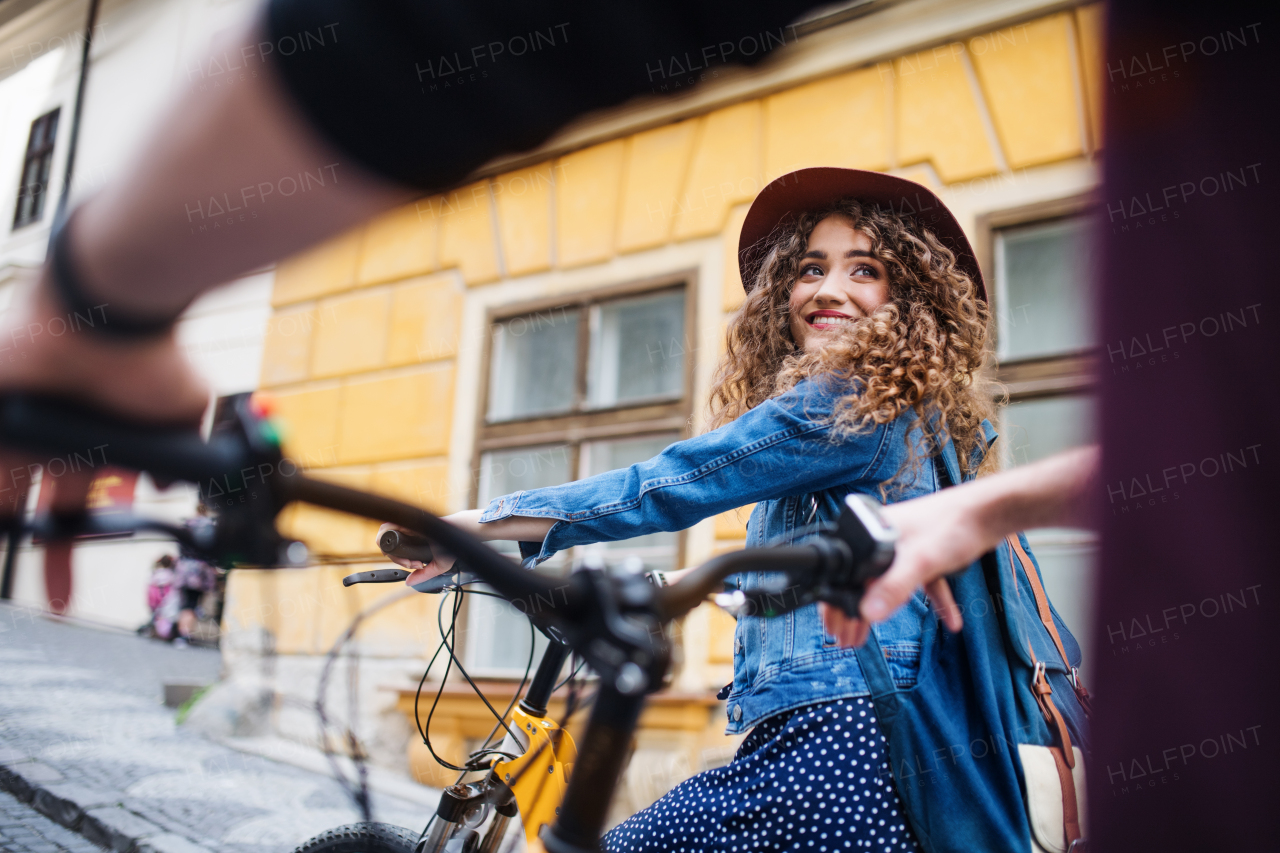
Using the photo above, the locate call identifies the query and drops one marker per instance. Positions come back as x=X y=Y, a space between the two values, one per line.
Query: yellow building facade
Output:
x=379 y=350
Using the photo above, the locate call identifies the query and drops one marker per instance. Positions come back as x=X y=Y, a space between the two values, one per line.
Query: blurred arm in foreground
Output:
x=305 y=144
x=146 y=245
x=302 y=146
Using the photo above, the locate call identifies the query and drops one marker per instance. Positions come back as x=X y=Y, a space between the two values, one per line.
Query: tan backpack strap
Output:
x=1040 y=686
x=1064 y=757
x=1070 y=807
x=1043 y=691
x=1046 y=617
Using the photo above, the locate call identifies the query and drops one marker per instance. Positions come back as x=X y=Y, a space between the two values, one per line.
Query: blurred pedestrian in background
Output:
x=193 y=577
x=160 y=600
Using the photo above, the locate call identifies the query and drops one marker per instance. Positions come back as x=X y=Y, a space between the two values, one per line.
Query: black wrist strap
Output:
x=99 y=316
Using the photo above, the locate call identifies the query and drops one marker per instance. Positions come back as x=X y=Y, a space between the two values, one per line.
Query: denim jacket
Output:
x=782 y=456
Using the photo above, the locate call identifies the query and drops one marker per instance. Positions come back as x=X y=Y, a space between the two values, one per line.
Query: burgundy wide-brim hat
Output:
x=813 y=189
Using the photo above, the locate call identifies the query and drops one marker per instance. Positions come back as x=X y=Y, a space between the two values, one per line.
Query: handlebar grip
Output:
x=409 y=546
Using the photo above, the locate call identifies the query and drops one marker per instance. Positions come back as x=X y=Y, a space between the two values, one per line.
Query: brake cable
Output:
x=425 y=732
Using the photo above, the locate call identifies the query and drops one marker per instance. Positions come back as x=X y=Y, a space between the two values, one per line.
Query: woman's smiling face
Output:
x=840 y=281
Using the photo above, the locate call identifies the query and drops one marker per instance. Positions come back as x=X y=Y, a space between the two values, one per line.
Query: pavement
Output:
x=89 y=755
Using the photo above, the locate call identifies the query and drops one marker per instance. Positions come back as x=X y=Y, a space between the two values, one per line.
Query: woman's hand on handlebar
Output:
x=419 y=571
x=515 y=528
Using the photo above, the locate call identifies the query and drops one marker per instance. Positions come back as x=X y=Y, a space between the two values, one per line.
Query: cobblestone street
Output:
x=86 y=744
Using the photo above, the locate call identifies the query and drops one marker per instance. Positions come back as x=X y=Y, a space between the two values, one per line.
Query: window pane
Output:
x=657 y=550
x=25 y=202
x=46 y=162
x=534 y=365
x=497 y=639
x=1042 y=286
x=637 y=350
x=1034 y=429
x=505 y=471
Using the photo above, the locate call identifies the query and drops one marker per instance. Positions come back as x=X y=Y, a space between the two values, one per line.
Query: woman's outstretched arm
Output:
x=782 y=447
x=946 y=531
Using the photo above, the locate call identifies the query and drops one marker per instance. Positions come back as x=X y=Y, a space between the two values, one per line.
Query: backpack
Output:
x=988 y=747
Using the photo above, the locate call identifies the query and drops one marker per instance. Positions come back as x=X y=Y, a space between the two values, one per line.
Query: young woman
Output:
x=859 y=345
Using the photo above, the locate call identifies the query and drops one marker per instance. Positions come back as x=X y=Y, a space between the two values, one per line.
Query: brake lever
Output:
x=375 y=576
x=439 y=583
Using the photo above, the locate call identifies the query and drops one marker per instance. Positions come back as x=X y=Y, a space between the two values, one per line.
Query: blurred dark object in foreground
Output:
x=1187 y=685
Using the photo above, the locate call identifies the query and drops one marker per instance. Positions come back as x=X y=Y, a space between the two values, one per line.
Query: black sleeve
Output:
x=425 y=92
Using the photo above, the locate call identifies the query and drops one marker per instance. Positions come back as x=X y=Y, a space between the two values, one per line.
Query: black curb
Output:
x=64 y=811
x=98 y=816
x=16 y=785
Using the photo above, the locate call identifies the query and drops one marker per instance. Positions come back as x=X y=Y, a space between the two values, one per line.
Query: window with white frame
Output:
x=577 y=388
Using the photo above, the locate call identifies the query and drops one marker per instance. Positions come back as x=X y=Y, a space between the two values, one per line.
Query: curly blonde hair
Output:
x=925 y=349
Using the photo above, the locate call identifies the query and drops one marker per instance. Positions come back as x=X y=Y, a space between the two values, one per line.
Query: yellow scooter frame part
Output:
x=539 y=777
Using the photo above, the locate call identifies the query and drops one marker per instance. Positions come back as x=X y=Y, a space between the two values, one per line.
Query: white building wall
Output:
x=143 y=53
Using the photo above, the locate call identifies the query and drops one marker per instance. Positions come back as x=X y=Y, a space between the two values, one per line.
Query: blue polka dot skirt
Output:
x=816 y=778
